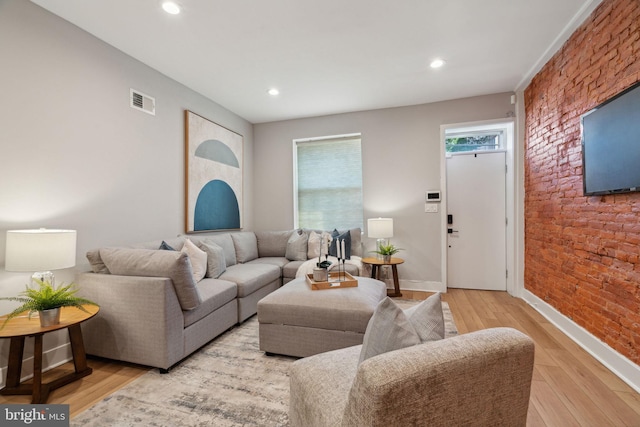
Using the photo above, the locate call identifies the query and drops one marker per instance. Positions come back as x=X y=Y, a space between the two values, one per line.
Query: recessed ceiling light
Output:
x=273 y=92
x=437 y=63
x=171 y=7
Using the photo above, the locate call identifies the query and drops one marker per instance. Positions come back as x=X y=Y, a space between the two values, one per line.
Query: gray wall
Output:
x=73 y=154
x=401 y=160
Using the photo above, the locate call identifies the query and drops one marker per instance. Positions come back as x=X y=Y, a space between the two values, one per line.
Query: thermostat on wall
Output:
x=433 y=196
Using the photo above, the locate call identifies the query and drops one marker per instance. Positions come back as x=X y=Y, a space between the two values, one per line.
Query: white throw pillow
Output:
x=315 y=241
x=198 y=259
x=427 y=318
x=388 y=329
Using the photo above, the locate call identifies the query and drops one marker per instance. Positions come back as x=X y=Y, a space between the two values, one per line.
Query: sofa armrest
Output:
x=140 y=319
x=481 y=378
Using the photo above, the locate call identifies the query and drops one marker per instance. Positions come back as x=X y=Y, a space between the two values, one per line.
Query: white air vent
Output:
x=142 y=102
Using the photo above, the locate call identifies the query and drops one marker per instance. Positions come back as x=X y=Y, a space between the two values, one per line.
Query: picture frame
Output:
x=213 y=176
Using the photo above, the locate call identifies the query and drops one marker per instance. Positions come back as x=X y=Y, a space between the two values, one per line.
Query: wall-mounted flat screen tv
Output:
x=611 y=145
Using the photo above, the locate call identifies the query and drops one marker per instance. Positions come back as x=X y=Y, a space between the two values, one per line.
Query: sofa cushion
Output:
x=271 y=260
x=251 y=277
x=388 y=329
x=226 y=243
x=198 y=259
x=427 y=318
x=290 y=269
x=216 y=264
x=156 y=263
x=246 y=246
x=272 y=243
x=297 y=246
x=215 y=293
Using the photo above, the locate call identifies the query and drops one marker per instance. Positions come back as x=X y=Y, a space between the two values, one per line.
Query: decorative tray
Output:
x=336 y=280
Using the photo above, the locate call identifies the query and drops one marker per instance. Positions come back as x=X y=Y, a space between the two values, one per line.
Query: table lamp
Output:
x=40 y=251
x=380 y=229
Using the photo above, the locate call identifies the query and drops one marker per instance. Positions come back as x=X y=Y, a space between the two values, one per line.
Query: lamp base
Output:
x=43 y=276
x=379 y=243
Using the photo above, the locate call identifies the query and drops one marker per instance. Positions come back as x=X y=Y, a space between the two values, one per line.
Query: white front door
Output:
x=476 y=254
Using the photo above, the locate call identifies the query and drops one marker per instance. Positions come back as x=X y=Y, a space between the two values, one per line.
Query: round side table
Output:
x=18 y=328
x=375 y=272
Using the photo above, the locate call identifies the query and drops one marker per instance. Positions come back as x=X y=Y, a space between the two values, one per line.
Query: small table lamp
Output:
x=380 y=229
x=40 y=250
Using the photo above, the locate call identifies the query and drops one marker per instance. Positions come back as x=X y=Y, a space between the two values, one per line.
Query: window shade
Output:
x=329 y=184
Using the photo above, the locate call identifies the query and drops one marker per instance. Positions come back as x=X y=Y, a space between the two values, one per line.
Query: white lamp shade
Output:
x=380 y=228
x=40 y=250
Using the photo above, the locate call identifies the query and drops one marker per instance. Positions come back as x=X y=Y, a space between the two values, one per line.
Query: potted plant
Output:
x=47 y=301
x=387 y=251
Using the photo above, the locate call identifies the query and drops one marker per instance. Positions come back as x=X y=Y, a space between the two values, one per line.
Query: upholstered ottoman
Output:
x=296 y=321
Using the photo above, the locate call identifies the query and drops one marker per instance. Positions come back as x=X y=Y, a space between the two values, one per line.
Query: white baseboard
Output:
x=420 y=285
x=624 y=368
x=51 y=358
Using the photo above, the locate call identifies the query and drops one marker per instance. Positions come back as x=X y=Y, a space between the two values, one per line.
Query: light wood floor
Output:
x=570 y=388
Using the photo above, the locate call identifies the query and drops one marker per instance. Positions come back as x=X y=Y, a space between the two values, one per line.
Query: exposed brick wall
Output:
x=582 y=254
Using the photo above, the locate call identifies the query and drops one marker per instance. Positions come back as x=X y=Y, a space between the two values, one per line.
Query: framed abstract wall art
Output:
x=213 y=181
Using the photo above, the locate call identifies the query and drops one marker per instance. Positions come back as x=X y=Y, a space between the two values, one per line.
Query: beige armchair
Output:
x=481 y=379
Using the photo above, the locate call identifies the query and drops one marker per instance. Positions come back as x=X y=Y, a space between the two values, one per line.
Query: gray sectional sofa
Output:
x=156 y=309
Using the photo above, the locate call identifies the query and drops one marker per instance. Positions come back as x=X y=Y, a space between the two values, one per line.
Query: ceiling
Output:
x=333 y=56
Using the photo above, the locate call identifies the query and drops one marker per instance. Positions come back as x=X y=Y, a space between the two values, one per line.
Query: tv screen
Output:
x=611 y=145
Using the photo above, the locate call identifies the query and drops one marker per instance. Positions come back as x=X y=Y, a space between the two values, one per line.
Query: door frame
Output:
x=508 y=125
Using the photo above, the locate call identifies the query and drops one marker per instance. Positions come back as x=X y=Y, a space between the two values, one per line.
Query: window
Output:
x=473 y=141
x=328 y=183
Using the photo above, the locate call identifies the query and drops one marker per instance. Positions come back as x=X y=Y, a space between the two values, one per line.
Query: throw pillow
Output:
x=246 y=246
x=337 y=237
x=297 y=247
x=154 y=263
x=225 y=241
x=427 y=318
x=165 y=246
x=215 y=259
x=198 y=259
x=316 y=240
x=387 y=330
x=97 y=266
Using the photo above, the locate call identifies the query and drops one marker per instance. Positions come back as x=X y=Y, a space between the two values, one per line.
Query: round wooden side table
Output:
x=375 y=272
x=18 y=328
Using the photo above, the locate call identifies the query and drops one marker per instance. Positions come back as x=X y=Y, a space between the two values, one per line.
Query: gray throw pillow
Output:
x=339 y=237
x=97 y=266
x=215 y=259
x=427 y=318
x=225 y=241
x=387 y=330
x=154 y=263
x=297 y=247
x=246 y=246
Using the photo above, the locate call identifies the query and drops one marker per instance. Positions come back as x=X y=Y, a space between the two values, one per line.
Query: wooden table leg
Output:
x=374 y=271
x=77 y=350
x=396 y=283
x=40 y=393
x=14 y=366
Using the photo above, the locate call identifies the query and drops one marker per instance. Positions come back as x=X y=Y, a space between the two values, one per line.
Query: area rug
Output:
x=228 y=382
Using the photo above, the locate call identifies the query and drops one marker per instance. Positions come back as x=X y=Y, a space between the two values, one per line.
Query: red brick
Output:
x=582 y=254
